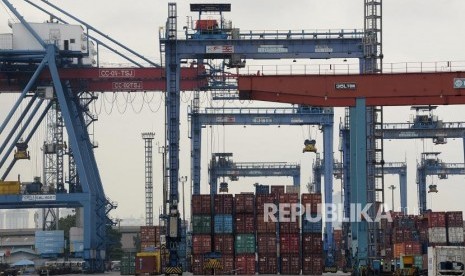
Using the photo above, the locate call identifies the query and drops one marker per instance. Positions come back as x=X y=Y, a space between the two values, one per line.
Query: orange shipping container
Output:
x=399 y=249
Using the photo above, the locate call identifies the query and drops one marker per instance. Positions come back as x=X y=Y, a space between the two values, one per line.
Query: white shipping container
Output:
x=439 y=256
x=437 y=235
x=291 y=189
x=455 y=234
x=6 y=41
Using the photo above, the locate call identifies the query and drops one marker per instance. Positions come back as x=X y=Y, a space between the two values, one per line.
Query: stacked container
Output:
x=437 y=233
x=266 y=236
x=201 y=231
x=50 y=243
x=454 y=223
x=405 y=237
x=289 y=235
x=312 y=244
x=149 y=238
x=223 y=239
x=128 y=265
x=245 y=233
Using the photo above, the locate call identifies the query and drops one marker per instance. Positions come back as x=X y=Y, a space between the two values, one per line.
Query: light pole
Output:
x=183 y=179
x=392 y=187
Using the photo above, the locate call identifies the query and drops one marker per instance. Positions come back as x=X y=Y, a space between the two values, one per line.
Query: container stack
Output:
x=182 y=251
x=245 y=234
x=312 y=244
x=201 y=231
x=149 y=238
x=454 y=223
x=266 y=236
x=128 y=263
x=405 y=238
x=437 y=231
x=338 y=248
x=386 y=234
x=76 y=241
x=223 y=231
x=289 y=237
x=50 y=244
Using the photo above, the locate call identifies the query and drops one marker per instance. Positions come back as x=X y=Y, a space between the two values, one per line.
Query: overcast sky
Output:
x=414 y=30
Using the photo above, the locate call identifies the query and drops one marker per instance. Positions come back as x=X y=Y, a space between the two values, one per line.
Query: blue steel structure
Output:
x=221 y=165
x=430 y=164
x=243 y=45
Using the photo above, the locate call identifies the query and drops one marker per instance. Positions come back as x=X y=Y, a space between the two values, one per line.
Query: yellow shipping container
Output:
x=10 y=187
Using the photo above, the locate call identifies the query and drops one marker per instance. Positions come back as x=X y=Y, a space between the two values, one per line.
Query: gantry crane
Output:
x=430 y=164
x=222 y=165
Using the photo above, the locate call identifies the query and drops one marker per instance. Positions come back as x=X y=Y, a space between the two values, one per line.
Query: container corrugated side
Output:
x=223 y=224
x=244 y=243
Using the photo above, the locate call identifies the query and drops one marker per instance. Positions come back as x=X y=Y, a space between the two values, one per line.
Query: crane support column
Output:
x=403 y=192
x=328 y=189
x=358 y=180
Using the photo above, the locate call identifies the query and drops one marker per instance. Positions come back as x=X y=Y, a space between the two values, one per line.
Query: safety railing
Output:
x=267 y=165
x=442 y=125
x=271 y=111
x=301 y=34
x=352 y=68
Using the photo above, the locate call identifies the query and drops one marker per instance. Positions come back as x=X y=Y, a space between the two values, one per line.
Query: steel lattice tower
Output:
x=373 y=64
x=148 y=139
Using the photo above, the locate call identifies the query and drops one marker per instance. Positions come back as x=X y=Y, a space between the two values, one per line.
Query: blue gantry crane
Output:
x=222 y=165
x=430 y=164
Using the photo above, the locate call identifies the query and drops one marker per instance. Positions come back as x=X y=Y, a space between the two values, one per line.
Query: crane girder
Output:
x=109 y=79
x=343 y=90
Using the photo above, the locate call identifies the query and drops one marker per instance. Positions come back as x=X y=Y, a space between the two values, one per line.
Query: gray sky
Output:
x=414 y=30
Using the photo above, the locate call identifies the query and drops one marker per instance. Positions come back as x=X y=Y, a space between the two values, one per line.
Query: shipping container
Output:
x=265 y=225
x=262 y=190
x=444 y=260
x=244 y=203
x=227 y=262
x=10 y=187
x=313 y=225
x=267 y=264
x=197 y=264
x=266 y=244
x=312 y=243
x=289 y=227
x=290 y=264
x=277 y=190
x=201 y=224
x=244 y=243
x=312 y=264
x=245 y=223
x=224 y=244
x=312 y=202
x=6 y=41
x=201 y=244
x=436 y=219
x=292 y=189
x=289 y=243
x=455 y=236
x=437 y=235
x=223 y=204
x=223 y=224
x=454 y=219
x=201 y=204
x=265 y=200
x=245 y=264
x=412 y=248
x=149 y=263
x=288 y=198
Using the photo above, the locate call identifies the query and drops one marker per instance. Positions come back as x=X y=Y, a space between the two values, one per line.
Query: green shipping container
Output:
x=245 y=243
x=201 y=224
x=418 y=261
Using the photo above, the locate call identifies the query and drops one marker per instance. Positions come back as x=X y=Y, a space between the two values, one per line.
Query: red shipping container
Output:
x=289 y=243
x=312 y=202
x=312 y=243
x=436 y=219
x=201 y=204
x=227 y=262
x=267 y=226
x=312 y=264
x=399 y=249
x=289 y=227
x=224 y=204
x=277 y=190
x=398 y=235
x=267 y=264
x=245 y=264
x=412 y=248
x=454 y=219
x=288 y=198
x=245 y=223
x=244 y=203
x=267 y=243
x=261 y=200
x=201 y=244
x=337 y=234
x=197 y=265
x=290 y=264
x=147 y=264
x=224 y=244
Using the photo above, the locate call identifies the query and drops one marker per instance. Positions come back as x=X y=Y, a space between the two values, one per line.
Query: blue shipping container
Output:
x=223 y=224
x=262 y=189
x=55 y=233
x=311 y=227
